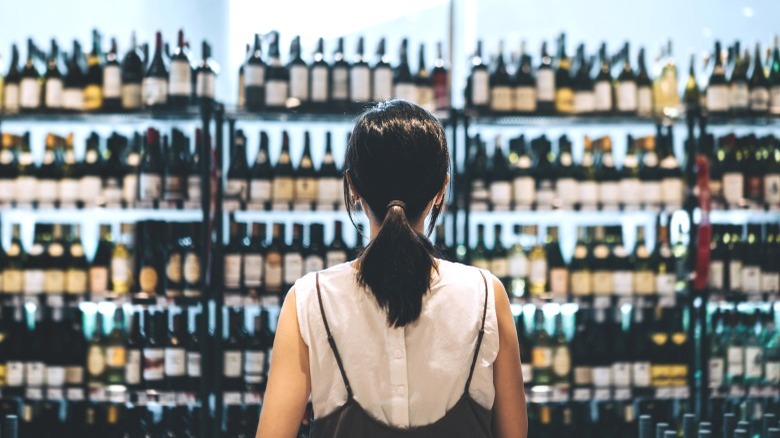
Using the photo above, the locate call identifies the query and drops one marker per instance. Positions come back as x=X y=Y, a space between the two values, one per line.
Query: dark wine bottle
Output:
x=525 y=85
x=11 y=84
x=403 y=81
x=718 y=88
x=206 y=75
x=644 y=87
x=564 y=93
x=150 y=184
x=339 y=79
x=153 y=350
x=277 y=78
x=232 y=353
x=30 y=82
x=132 y=77
x=758 y=85
x=299 y=75
x=305 y=177
x=134 y=349
x=238 y=172
x=500 y=85
x=112 y=79
x=175 y=355
x=73 y=91
x=261 y=176
x=582 y=84
x=283 y=184
x=254 y=78
x=93 y=89
x=478 y=86
x=180 y=78
x=360 y=76
x=233 y=256
x=273 y=269
x=254 y=259
x=320 y=78
x=382 y=76
x=292 y=260
x=441 y=80
x=52 y=85
x=155 y=82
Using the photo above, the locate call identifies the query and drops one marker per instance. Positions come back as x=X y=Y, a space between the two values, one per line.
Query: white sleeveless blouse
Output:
x=404 y=377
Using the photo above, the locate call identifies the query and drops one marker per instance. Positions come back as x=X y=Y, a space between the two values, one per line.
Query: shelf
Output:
x=100 y=215
x=293 y=216
x=185 y=114
x=740 y=217
x=559 y=217
x=540 y=120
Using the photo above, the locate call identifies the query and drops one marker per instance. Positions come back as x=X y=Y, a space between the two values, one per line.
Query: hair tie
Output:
x=396 y=203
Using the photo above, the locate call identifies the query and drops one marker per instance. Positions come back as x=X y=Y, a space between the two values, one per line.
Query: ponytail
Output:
x=396 y=266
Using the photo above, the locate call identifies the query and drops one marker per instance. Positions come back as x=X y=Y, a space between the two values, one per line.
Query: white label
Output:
x=665 y=284
x=499 y=266
x=406 y=92
x=621 y=374
x=33 y=281
x=34 y=373
x=273 y=275
x=770 y=282
x=772 y=372
x=772 y=188
x=333 y=258
x=383 y=84
x=501 y=193
x=651 y=192
x=90 y=188
x=584 y=102
x=501 y=99
x=735 y=275
x=193 y=364
x=150 y=187
x=567 y=191
x=609 y=192
x=630 y=191
x=154 y=363
x=299 y=82
x=736 y=364
x=715 y=278
x=717 y=98
x=26 y=188
x=129 y=188
x=524 y=190
x=602 y=376
x=739 y=95
x=155 y=91
x=525 y=99
x=254 y=362
x=180 y=82
x=314 y=263
x=538 y=271
x=55 y=375
x=132 y=96
x=340 y=90
x=293 y=267
x=30 y=93
x=69 y=190
x=7 y=187
x=193 y=187
x=254 y=75
x=276 y=93
x=640 y=374
x=716 y=369
x=559 y=282
x=53 y=93
x=627 y=96
x=751 y=279
x=233 y=271
x=47 y=190
x=589 y=193
x=175 y=362
x=624 y=283
x=319 y=84
x=644 y=105
x=360 y=83
x=672 y=190
x=753 y=365
x=545 y=85
x=603 y=92
x=205 y=84
x=260 y=190
x=112 y=82
x=329 y=190
x=235 y=189
x=232 y=365
x=14 y=373
x=11 y=98
x=480 y=91
x=528 y=373
x=253 y=270
x=759 y=99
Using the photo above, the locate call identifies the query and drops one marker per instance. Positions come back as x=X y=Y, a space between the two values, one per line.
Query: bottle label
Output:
x=173 y=188
x=624 y=282
x=562 y=362
x=545 y=85
x=480 y=90
x=603 y=282
x=148 y=279
x=626 y=96
x=501 y=193
x=260 y=190
x=665 y=284
x=283 y=189
x=406 y=92
x=772 y=188
x=524 y=190
x=155 y=91
x=205 y=84
x=319 y=84
x=644 y=106
x=154 y=362
x=120 y=269
x=603 y=96
x=525 y=99
x=254 y=75
x=299 y=82
x=30 y=93
x=131 y=96
x=739 y=95
x=584 y=102
x=333 y=258
x=55 y=376
x=425 y=97
x=602 y=376
x=651 y=192
x=528 y=373
x=621 y=374
x=236 y=189
x=715 y=278
x=383 y=84
x=772 y=372
x=759 y=99
x=559 y=282
x=116 y=356
x=129 y=188
x=253 y=270
x=180 y=81
x=93 y=97
x=305 y=189
x=718 y=98
x=273 y=273
x=133 y=367
x=501 y=99
x=770 y=282
x=542 y=357
x=14 y=373
x=360 y=83
x=314 y=263
x=583 y=376
x=589 y=193
x=538 y=271
x=96 y=361
x=26 y=188
x=175 y=362
x=33 y=281
x=193 y=364
x=69 y=190
x=90 y=188
x=751 y=279
x=340 y=89
x=7 y=186
x=499 y=266
x=150 y=187
x=609 y=192
x=581 y=283
x=329 y=190
x=112 y=82
x=13 y=281
x=735 y=275
x=774 y=99
x=76 y=281
x=53 y=93
x=232 y=364
x=644 y=282
x=753 y=363
x=11 y=98
x=34 y=373
x=640 y=374
x=672 y=190
x=54 y=281
x=716 y=370
x=254 y=362
x=193 y=187
x=233 y=271
x=191 y=269
x=173 y=268
x=47 y=190
x=293 y=267
x=567 y=191
x=276 y=93
x=736 y=364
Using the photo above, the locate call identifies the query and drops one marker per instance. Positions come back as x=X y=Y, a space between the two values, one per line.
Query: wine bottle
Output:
x=626 y=99
x=525 y=86
x=132 y=77
x=360 y=76
x=261 y=176
x=773 y=78
x=257 y=353
x=101 y=264
x=582 y=85
x=112 y=80
x=545 y=174
x=558 y=271
x=76 y=275
x=130 y=170
x=151 y=170
x=545 y=83
x=739 y=93
x=320 y=78
x=329 y=183
x=717 y=88
x=49 y=172
x=672 y=184
x=644 y=87
x=52 y=80
x=193 y=355
x=153 y=350
x=403 y=81
x=585 y=175
x=121 y=262
x=424 y=82
x=26 y=182
x=30 y=82
x=498 y=261
x=602 y=88
x=292 y=260
x=663 y=259
x=336 y=252
x=537 y=266
x=566 y=189
x=193 y=161
x=179 y=80
x=607 y=176
x=91 y=173
x=11 y=86
x=500 y=179
x=134 y=349
x=175 y=355
x=501 y=87
x=649 y=172
x=93 y=89
x=173 y=261
x=73 y=86
x=206 y=75
x=602 y=274
x=254 y=259
x=305 y=178
x=115 y=351
x=277 y=78
x=382 y=76
x=150 y=273
x=233 y=256
x=478 y=165
x=339 y=79
x=299 y=74
x=96 y=356
x=233 y=360
x=273 y=269
x=542 y=352
x=561 y=356
x=564 y=93
x=254 y=78
x=55 y=263
x=733 y=176
x=644 y=272
x=175 y=166
x=523 y=182
x=238 y=172
x=283 y=183
x=155 y=82
x=478 y=87
x=54 y=330
x=758 y=85
x=70 y=171
x=667 y=99
x=33 y=264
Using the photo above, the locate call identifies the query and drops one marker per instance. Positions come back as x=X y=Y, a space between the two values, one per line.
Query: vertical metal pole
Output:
x=217 y=267
x=204 y=155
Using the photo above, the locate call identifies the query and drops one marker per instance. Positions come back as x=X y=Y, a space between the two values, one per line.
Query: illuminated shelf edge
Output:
x=100 y=214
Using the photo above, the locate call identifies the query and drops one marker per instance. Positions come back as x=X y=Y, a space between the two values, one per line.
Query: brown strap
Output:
x=331 y=341
x=479 y=336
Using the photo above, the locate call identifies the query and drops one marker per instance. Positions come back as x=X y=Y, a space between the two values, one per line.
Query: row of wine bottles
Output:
x=102 y=82
x=743 y=260
x=760 y=426
x=609 y=85
x=265 y=83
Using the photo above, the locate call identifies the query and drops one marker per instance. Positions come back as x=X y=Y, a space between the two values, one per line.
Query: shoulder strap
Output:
x=333 y=342
x=479 y=336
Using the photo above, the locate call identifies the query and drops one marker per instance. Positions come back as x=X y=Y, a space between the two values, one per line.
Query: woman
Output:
x=396 y=343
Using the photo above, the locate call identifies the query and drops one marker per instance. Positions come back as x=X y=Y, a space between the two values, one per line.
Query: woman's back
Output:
x=406 y=376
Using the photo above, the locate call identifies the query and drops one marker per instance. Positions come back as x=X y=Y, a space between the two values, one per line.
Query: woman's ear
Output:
x=439 y=199
x=353 y=196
